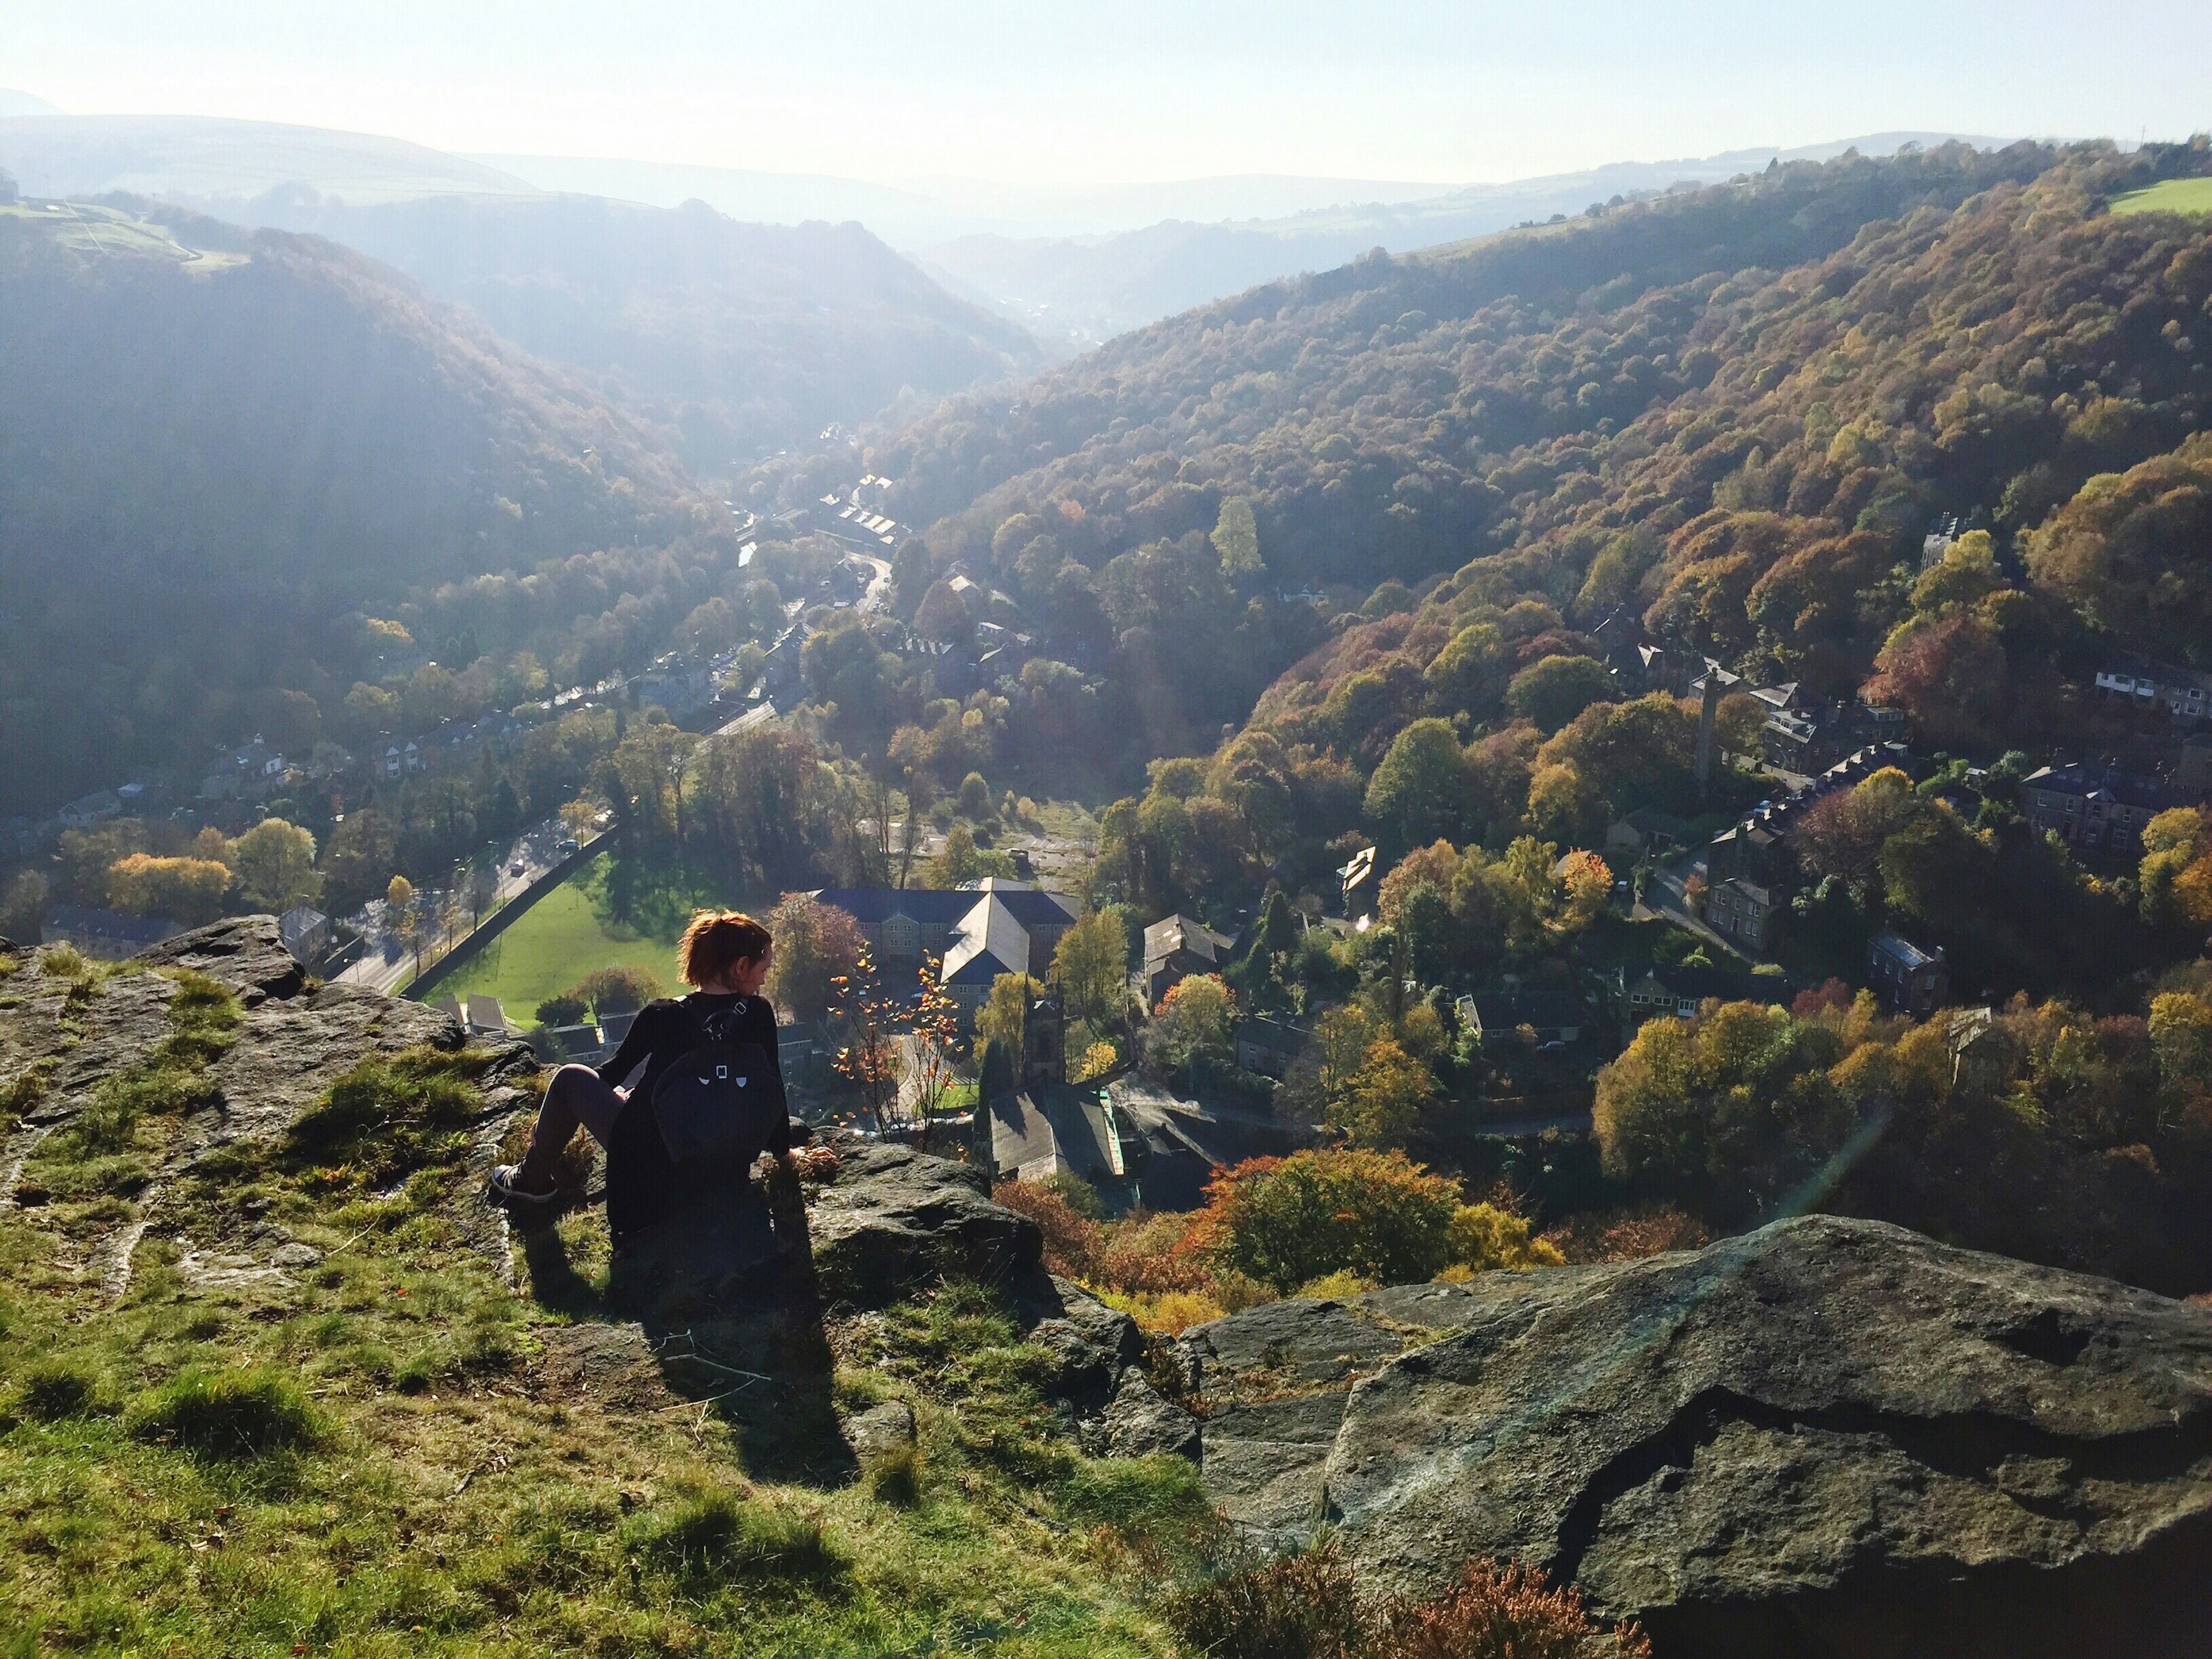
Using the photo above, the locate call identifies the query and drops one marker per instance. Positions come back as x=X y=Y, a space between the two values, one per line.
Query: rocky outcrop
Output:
x=894 y=1219
x=292 y=1041
x=1826 y=1438
x=246 y=953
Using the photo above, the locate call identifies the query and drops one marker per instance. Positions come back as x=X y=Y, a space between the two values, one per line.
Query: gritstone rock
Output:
x=894 y=1219
x=1827 y=1437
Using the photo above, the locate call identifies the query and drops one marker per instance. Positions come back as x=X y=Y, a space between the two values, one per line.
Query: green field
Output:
x=2174 y=195
x=610 y=913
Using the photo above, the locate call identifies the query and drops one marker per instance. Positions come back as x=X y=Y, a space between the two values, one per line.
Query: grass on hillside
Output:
x=2174 y=195
x=89 y=229
x=612 y=913
x=375 y=1454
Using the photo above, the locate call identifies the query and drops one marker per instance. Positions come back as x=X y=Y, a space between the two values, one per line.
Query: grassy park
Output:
x=612 y=913
x=2174 y=195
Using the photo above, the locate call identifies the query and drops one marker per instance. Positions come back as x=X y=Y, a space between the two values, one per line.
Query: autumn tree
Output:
x=1728 y=1111
x=1194 y=1025
x=816 y=944
x=1381 y=1104
x=183 y=889
x=1003 y=1019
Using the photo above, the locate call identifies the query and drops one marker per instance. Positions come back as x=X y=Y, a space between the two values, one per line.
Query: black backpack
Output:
x=719 y=1102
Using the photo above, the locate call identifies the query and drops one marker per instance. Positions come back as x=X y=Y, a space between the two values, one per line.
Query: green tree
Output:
x=1091 y=967
x=1420 y=792
x=1287 y=1222
x=1003 y=1019
x=942 y=617
x=276 y=865
x=23 y=906
x=1553 y=691
x=1727 y=1112
x=1236 y=539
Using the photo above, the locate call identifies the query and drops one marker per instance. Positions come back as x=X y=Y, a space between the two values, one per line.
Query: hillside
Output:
x=1089 y=288
x=277 y=1378
x=1848 y=346
x=213 y=451
x=742 y=337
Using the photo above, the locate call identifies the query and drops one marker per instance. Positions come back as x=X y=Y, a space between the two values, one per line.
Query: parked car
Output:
x=567 y=847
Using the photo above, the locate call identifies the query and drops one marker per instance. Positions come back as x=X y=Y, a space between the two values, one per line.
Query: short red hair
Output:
x=716 y=942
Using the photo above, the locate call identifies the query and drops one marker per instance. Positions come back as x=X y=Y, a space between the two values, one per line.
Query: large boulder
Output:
x=893 y=1220
x=1827 y=1437
x=1275 y=1379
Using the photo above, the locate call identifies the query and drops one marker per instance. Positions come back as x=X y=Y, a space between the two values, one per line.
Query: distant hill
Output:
x=216 y=448
x=22 y=103
x=1086 y=288
x=219 y=165
x=742 y=336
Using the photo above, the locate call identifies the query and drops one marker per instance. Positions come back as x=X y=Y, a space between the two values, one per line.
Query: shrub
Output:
x=1155 y=1257
x=1483 y=1236
x=1494 y=1612
x=1628 y=1237
x=1072 y=1243
x=1342 y=1283
x=1303 y=1606
x=1289 y=1221
x=563 y=1010
x=238 y=1413
x=715 y=1538
x=54 y=1389
x=1082 y=1197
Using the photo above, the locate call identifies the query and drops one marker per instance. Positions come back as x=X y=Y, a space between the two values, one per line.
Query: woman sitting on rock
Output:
x=708 y=1101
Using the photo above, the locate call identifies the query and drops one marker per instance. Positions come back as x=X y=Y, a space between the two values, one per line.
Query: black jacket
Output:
x=643 y=1187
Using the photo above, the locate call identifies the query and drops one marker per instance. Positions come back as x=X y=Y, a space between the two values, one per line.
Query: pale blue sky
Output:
x=1139 y=90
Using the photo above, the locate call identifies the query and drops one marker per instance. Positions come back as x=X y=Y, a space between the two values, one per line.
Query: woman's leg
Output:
x=576 y=1097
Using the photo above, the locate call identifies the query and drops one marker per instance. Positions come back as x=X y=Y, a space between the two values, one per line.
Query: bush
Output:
x=1309 y=1607
x=1483 y=1236
x=1072 y=1243
x=1303 y=1606
x=716 y=1538
x=54 y=1389
x=1494 y=1612
x=239 y=1414
x=1289 y=1221
x=566 y=1009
